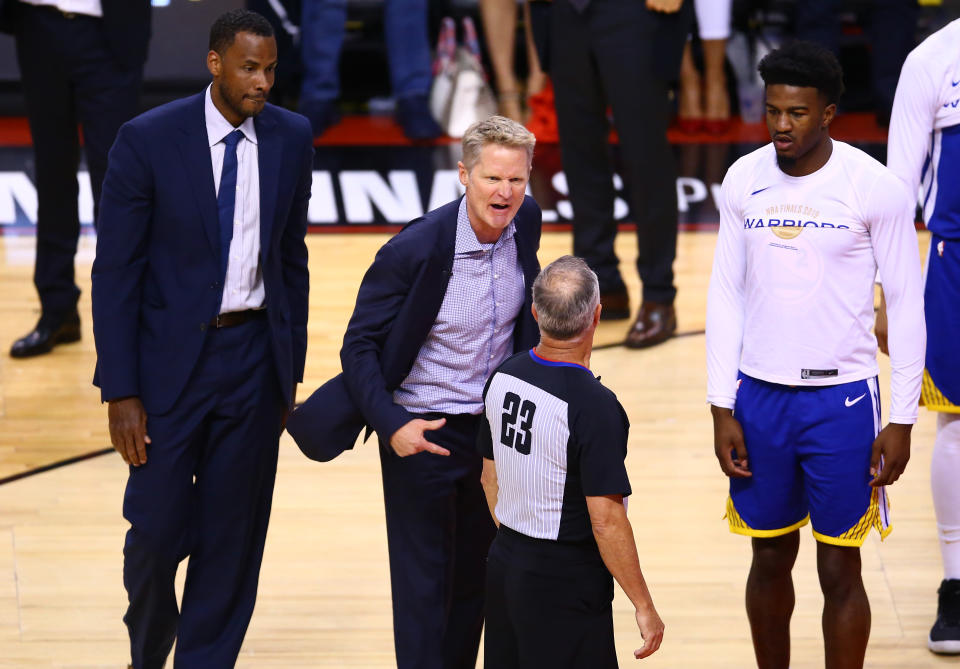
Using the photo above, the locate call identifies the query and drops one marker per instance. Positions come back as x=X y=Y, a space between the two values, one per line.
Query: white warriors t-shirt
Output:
x=792 y=290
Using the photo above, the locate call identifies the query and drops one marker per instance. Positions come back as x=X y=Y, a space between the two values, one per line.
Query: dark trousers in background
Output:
x=891 y=27
x=608 y=55
x=438 y=532
x=69 y=77
x=206 y=492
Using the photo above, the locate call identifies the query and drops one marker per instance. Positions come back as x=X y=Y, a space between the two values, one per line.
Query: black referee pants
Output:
x=548 y=605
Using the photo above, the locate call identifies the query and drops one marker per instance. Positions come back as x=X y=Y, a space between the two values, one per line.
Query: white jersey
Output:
x=924 y=140
x=791 y=295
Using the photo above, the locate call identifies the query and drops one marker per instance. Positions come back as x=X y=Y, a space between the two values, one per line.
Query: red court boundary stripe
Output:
x=372 y=130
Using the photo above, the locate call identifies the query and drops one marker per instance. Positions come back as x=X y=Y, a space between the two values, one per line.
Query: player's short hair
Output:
x=224 y=30
x=495 y=130
x=802 y=63
x=565 y=294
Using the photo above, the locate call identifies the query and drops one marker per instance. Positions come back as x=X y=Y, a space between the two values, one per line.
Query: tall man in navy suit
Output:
x=445 y=302
x=200 y=314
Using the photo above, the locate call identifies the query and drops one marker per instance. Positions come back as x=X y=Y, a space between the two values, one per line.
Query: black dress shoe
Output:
x=616 y=305
x=45 y=336
x=655 y=324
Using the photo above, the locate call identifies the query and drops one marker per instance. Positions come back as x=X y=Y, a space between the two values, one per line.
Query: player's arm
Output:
x=897 y=254
x=614 y=535
x=488 y=479
x=911 y=122
x=725 y=317
x=908 y=143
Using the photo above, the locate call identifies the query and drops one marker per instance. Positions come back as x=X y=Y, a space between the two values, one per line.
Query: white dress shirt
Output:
x=243 y=286
x=88 y=7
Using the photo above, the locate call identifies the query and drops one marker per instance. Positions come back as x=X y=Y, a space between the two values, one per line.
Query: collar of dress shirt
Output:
x=467 y=241
x=219 y=127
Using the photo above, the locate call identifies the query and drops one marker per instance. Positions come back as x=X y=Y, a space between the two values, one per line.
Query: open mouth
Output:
x=500 y=207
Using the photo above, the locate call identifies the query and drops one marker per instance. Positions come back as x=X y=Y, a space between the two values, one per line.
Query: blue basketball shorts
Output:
x=808 y=448
x=941 y=303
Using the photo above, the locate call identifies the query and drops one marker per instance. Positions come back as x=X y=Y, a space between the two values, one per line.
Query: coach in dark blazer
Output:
x=445 y=301
x=76 y=68
x=200 y=311
x=414 y=268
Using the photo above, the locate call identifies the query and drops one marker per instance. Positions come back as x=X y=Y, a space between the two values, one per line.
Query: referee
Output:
x=558 y=438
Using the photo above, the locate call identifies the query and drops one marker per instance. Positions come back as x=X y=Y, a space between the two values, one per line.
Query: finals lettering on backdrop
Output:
x=376 y=188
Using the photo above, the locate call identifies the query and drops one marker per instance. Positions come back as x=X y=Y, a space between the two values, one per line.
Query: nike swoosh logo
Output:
x=759 y=191
x=849 y=402
x=955 y=83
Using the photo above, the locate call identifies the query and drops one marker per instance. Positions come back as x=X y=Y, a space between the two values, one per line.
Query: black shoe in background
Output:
x=48 y=333
x=945 y=633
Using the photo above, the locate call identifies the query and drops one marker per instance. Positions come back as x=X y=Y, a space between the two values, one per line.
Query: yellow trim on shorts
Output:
x=857 y=534
x=739 y=526
x=932 y=398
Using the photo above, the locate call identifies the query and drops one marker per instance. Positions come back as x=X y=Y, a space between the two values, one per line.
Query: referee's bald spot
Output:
x=561 y=281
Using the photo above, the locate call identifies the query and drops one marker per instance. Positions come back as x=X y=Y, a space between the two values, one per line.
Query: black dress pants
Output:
x=617 y=53
x=205 y=492
x=69 y=77
x=439 y=530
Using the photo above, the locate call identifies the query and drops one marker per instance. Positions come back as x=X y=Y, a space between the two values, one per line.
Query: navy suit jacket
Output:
x=156 y=276
x=396 y=307
x=126 y=27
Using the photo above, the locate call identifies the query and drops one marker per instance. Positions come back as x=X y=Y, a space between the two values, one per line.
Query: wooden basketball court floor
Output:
x=324 y=590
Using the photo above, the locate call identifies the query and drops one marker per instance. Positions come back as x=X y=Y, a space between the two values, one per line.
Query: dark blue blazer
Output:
x=156 y=276
x=396 y=307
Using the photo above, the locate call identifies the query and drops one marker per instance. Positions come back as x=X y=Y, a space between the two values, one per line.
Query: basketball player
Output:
x=924 y=151
x=805 y=223
x=553 y=441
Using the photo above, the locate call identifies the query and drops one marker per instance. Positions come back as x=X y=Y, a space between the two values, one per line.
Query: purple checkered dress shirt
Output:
x=473 y=332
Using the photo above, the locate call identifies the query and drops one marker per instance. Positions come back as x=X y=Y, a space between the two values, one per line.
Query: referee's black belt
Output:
x=234 y=318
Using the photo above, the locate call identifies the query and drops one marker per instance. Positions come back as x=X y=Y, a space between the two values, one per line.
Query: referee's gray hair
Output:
x=495 y=130
x=565 y=293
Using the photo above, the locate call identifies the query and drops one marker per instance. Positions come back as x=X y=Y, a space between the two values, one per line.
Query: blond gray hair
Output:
x=566 y=294
x=495 y=130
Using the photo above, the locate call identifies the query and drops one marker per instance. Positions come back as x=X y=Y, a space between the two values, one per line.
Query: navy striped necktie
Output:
x=227 y=197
